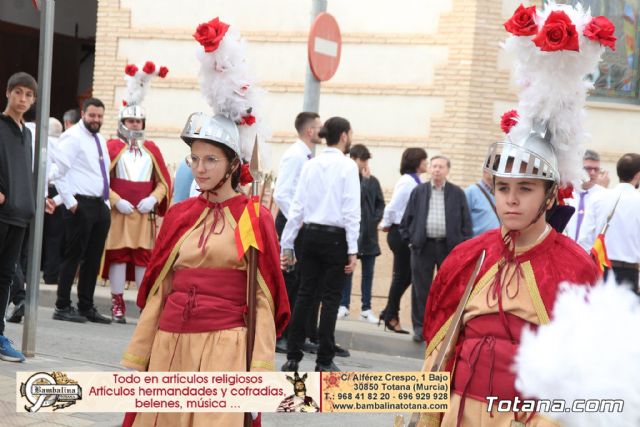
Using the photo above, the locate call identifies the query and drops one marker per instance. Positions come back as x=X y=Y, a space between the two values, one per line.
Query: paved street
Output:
x=85 y=347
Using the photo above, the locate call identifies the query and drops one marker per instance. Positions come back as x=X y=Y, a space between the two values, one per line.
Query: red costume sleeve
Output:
x=161 y=168
x=555 y=260
x=269 y=265
x=115 y=147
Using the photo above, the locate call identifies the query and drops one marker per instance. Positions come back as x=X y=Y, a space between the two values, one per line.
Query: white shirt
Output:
x=78 y=165
x=394 y=211
x=623 y=236
x=328 y=193
x=291 y=164
x=570 y=229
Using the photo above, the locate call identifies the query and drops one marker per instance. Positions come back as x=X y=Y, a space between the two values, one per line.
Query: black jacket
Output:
x=371 y=211
x=413 y=227
x=16 y=177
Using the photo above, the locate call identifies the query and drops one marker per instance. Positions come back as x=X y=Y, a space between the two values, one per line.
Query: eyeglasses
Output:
x=208 y=162
x=590 y=169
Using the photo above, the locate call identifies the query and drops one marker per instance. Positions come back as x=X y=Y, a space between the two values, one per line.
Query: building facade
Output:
x=426 y=73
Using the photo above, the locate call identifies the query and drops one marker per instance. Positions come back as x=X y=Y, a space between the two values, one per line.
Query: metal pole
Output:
x=45 y=57
x=311 y=102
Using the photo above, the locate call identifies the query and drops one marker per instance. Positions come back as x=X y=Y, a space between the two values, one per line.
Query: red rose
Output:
x=245 y=175
x=210 y=34
x=163 y=72
x=600 y=29
x=523 y=22
x=130 y=70
x=565 y=193
x=558 y=33
x=509 y=120
x=248 y=120
x=149 y=67
x=124 y=103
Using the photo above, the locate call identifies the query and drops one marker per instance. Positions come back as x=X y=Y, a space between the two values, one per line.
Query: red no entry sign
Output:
x=324 y=47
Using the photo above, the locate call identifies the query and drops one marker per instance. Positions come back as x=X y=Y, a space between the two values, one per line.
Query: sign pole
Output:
x=311 y=102
x=45 y=58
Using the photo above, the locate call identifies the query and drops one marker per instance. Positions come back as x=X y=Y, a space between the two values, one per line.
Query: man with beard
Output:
x=327 y=202
x=82 y=179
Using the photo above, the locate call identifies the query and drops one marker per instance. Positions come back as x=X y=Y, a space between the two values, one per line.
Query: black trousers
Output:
x=85 y=234
x=53 y=242
x=625 y=276
x=18 y=290
x=11 y=237
x=423 y=264
x=401 y=278
x=292 y=282
x=324 y=256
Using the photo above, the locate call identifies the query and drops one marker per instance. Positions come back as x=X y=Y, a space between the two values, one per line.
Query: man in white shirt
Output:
x=582 y=197
x=307 y=126
x=327 y=202
x=82 y=179
x=623 y=236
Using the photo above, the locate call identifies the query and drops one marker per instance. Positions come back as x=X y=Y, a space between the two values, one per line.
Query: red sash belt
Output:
x=131 y=191
x=484 y=357
x=204 y=300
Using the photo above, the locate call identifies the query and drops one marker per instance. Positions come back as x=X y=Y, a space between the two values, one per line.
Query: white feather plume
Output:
x=138 y=84
x=590 y=350
x=555 y=88
x=230 y=89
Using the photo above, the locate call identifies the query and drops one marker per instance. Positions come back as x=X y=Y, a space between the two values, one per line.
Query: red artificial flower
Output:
x=149 y=67
x=124 y=103
x=245 y=175
x=565 y=193
x=558 y=33
x=509 y=120
x=210 y=34
x=163 y=72
x=248 y=120
x=600 y=29
x=130 y=70
x=523 y=22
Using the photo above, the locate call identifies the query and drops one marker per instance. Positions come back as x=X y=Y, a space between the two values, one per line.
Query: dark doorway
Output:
x=73 y=48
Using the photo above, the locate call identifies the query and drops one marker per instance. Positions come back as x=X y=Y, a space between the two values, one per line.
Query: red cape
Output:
x=182 y=216
x=116 y=148
x=554 y=260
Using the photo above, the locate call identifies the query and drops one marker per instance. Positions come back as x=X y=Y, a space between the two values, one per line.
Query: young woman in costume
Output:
x=194 y=293
x=526 y=259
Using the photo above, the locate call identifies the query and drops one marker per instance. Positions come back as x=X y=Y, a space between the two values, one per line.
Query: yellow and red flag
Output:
x=599 y=253
x=248 y=229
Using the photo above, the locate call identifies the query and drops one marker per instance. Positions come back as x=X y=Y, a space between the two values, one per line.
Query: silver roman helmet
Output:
x=535 y=157
x=218 y=129
x=131 y=112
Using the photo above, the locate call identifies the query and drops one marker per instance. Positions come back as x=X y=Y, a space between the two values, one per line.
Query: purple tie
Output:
x=105 y=180
x=580 y=213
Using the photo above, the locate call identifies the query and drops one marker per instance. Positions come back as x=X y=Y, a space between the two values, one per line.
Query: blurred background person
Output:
x=412 y=164
x=371 y=211
x=482 y=205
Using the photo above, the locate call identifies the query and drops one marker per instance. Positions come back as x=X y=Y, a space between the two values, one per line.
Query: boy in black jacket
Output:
x=371 y=211
x=17 y=199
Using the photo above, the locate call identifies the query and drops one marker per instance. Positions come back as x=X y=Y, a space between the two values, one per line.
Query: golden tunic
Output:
x=522 y=305
x=155 y=350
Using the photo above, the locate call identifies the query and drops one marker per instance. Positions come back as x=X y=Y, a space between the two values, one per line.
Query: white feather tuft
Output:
x=555 y=89
x=138 y=85
x=589 y=350
x=229 y=88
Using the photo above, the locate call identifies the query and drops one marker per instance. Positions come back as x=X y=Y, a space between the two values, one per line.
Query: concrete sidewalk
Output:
x=351 y=334
x=71 y=347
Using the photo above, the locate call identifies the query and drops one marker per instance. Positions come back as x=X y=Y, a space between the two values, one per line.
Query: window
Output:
x=617 y=75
